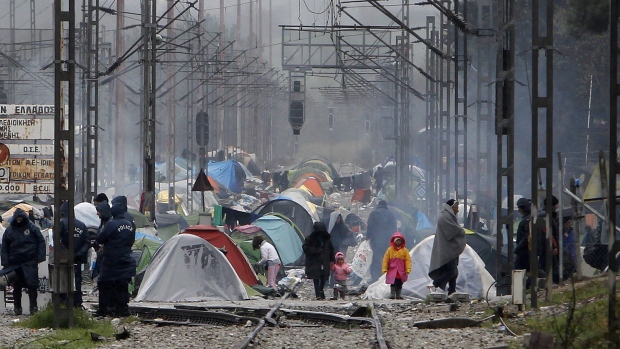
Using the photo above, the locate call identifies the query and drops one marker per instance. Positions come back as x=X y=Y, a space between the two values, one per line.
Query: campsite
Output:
x=188 y=260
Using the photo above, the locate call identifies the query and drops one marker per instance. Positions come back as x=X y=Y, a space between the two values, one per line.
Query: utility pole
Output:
x=149 y=31
x=170 y=108
x=443 y=133
x=614 y=244
x=460 y=107
x=431 y=118
x=91 y=144
x=33 y=30
x=542 y=140
x=119 y=105
x=12 y=69
x=270 y=34
x=403 y=133
x=64 y=165
x=505 y=91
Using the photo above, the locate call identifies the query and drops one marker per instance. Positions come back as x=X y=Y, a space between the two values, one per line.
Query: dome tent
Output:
x=188 y=268
x=473 y=278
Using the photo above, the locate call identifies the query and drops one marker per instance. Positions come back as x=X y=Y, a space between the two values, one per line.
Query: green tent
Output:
x=139 y=219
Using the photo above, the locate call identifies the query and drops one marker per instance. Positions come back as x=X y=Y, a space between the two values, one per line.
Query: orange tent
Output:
x=312 y=184
x=235 y=256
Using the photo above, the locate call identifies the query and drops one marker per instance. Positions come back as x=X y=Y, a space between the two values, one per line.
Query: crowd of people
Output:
x=23 y=248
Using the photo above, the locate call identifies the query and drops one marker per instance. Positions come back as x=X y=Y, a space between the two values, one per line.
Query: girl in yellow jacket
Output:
x=397 y=265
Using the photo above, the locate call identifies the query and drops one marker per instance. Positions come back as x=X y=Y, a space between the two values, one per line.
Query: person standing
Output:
x=117 y=267
x=396 y=265
x=448 y=245
x=381 y=225
x=269 y=256
x=340 y=272
x=23 y=246
x=81 y=245
x=522 y=250
x=319 y=256
x=340 y=234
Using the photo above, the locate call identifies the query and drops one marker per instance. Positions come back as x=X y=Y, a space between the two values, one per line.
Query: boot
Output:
x=398 y=290
x=322 y=295
x=342 y=295
x=335 y=297
x=17 y=310
x=17 y=301
x=392 y=292
x=32 y=296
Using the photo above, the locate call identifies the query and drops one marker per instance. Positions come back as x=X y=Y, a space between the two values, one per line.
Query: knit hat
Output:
x=451 y=202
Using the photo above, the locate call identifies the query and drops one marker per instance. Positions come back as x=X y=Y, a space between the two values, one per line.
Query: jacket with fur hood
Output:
x=396 y=261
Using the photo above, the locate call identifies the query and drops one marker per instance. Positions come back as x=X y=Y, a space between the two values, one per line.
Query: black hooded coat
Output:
x=23 y=245
x=319 y=252
x=381 y=227
x=117 y=237
x=122 y=201
x=81 y=244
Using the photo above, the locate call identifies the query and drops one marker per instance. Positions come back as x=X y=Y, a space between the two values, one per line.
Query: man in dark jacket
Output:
x=319 y=254
x=24 y=246
x=117 y=267
x=81 y=245
x=522 y=250
x=381 y=227
x=542 y=240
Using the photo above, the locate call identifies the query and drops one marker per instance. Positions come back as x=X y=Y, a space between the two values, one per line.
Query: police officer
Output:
x=81 y=245
x=23 y=246
x=117 y=267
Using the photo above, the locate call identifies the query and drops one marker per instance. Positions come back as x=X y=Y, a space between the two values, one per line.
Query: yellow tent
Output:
x=162 y=197
x=593 y=190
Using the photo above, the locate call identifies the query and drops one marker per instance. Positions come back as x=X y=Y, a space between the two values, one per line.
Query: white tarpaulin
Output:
x=473 y=278
x=188 y=268
x=87 y=213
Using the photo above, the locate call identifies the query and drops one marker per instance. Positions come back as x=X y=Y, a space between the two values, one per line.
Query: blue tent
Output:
x=229 y=173
x=286 y=240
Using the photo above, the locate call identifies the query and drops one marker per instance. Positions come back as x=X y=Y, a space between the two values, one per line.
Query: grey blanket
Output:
x=449 y=239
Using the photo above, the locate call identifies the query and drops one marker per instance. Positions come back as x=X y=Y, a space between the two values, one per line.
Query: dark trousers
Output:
x=114 y=297
x=18 y=287
x=319 y=285
x=447 y=275
x=77 y=294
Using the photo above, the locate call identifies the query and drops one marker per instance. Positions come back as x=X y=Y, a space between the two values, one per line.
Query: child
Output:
x=341 y=271
x=269 y=256
x=397 y=265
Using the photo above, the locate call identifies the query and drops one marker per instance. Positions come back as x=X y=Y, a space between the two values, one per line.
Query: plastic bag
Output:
x=361 y=260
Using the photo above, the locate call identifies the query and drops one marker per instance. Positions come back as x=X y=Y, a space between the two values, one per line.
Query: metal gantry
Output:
x=148 y=104
x=461 y=65
x=612 y=215
x=90 y=120
x=542 y=139
x=504 y=130
x=62 y=277
x=444 y=188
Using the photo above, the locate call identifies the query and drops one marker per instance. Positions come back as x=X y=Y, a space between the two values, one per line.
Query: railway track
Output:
x=364 y=322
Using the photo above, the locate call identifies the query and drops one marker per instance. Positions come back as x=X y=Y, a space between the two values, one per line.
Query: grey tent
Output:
x=188 y=268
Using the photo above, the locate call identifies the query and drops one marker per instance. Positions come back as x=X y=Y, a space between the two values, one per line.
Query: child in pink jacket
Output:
x=341 y=271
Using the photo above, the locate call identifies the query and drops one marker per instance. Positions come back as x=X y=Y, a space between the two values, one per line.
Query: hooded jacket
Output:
x=340 y=234
x=381 y=225
x=319 y=252
x=104 y=213
x=81 y=244
x=449 y=241
x=396 y=261
x=23 y=245
x=122 y=202
x=117 y=236
x=341 y=271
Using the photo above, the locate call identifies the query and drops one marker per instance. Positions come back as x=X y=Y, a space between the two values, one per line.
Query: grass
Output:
x=76 y=337
x=585 y=327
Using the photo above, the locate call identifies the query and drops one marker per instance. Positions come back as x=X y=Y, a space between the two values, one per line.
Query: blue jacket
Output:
x=117 y=236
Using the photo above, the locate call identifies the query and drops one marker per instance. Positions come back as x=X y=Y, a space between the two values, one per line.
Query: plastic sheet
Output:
x=473 y=278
